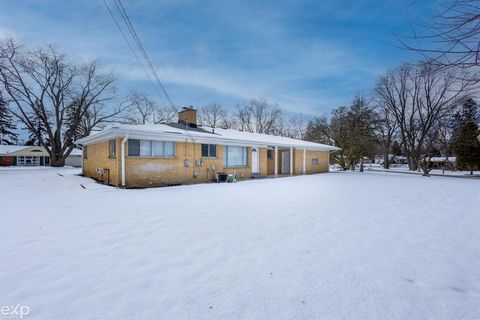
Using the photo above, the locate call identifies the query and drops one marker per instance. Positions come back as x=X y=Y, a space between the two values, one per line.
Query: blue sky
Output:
x=307 y=56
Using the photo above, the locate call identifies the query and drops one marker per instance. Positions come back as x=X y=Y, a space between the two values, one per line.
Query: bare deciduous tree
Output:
x=259 y=116
x=385 y=132
x=164 y=114
x=140 y=110
x=213 y=115
x=42 y=85
x=350 y=128
x=296 y=127
x=452 y=39
x=418 y=97
x=143 y=110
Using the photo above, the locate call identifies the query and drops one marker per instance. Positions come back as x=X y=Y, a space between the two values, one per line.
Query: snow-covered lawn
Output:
x=329 y=246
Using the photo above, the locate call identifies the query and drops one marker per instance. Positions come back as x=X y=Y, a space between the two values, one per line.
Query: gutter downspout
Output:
x=123 y=158
x=83 y=160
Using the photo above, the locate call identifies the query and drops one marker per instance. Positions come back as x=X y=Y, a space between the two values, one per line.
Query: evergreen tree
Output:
x=38 y=136
x=33 y=136
x=7 y=127
x=466 y=143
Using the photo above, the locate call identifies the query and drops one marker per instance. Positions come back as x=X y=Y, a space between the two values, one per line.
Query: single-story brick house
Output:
x=27 y=156
x=184 y=152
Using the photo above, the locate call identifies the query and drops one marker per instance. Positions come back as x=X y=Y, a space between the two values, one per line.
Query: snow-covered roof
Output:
x=13 y=150
x=16 y=151
x=391 y=156
x=6 y=149
x=76 y=152
x=200 y=135
x=442 y=159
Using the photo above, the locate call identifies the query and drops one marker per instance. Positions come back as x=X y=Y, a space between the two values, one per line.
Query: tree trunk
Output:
x=426 y=173
x=409 y=162
x=412 y=164
x=59 y=162
x=425 y=166
x=55 y=160
x=361 y=165
x=386 y=163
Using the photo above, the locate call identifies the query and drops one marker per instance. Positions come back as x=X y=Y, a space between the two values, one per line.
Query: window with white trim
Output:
x=314 y=162
x=28 y=161
x=234 y=156
x=112 y=153
x=149 y=148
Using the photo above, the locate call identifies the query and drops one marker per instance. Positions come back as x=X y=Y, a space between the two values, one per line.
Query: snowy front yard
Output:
x=328 y=246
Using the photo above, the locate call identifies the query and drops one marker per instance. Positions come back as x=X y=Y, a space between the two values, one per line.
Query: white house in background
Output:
x=34 y=156
x=393 y=159
x=442 y=162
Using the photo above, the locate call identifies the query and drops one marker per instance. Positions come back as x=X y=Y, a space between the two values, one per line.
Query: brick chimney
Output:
x=188 y=116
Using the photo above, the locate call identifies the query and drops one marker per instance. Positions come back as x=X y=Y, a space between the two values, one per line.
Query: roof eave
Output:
x=114 y=132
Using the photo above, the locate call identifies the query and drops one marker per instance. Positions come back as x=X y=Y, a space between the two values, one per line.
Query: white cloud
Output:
x=261 y=58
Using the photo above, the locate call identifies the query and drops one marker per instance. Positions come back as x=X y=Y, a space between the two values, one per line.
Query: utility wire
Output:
x=133 y=51
x=133 y=33
x=126 y=19
x=140 y=46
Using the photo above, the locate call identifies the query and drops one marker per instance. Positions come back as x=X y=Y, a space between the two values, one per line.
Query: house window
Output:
x=112 y=149
x=270 y=154
x=169 y=149
x=28 y=161
x=235 y=156
x=314 y=162
x=209 y=150
x=149 y=148
x=145 y=148
x=85 y=156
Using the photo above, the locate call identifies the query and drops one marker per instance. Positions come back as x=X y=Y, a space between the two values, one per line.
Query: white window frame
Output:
x=32 y=161
x=112 y=148
x=225 y=157
x=152 y=151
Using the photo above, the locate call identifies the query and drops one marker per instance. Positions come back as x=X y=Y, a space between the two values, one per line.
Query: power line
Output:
x=133 y=51
x=133 y=33
x=128 y=23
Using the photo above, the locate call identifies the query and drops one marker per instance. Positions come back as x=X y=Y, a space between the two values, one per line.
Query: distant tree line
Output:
x=419 y=111
x=257 y=115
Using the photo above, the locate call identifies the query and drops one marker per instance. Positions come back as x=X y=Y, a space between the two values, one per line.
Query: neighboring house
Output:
x=442 y=162
x=23 y=156
x=74 y=159
x=393 y=159
x=184 y=152
x=33 y=156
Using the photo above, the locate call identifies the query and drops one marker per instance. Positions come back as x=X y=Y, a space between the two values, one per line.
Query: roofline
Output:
x=12 y=153
x=116 y=132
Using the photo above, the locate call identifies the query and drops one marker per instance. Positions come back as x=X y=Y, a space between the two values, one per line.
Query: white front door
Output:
x=286 y=162
x=255 y=165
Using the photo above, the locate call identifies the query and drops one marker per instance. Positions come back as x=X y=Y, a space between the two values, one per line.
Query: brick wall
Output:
x=98 y=157
x=150 y=171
